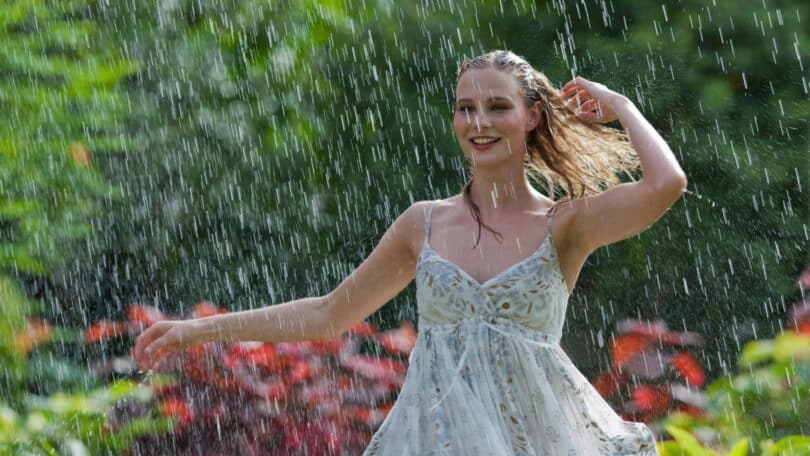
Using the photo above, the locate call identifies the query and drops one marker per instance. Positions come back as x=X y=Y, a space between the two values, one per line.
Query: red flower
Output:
x=206 y=309
x=608 y=382
x=145 y=315
x=363 y=328
x=386 y=407
x=177 y=409
x=374 y=368
x=263 y=356
x=625 y=346
x=399 y=341
x=691 y=410
x=799 y=316
x=276 y=391
x=104 y=330
x=656 y=331
x=327 y=346
x=689 y=368
x=359 y=414
x=35 y=333
x=652 y=400
x=302 y=371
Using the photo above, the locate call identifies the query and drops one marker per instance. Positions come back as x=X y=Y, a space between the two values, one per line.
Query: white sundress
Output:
x=487 y=375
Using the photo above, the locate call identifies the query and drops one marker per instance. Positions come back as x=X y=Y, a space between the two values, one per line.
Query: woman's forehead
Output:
x=487 y=83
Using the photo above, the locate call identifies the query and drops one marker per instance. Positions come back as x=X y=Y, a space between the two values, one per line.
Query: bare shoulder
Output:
x=413 y=221
x=564 y=214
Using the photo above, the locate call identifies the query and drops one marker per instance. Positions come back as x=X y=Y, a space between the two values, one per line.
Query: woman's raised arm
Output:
x=629 y=208
x=387 y=270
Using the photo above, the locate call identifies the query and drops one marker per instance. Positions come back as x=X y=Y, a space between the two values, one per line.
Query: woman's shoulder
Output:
x=425 y=206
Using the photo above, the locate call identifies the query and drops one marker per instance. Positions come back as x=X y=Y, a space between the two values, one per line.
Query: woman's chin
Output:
x=488 y=156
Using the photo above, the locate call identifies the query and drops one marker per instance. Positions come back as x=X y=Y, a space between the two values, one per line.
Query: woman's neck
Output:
x=500 y=194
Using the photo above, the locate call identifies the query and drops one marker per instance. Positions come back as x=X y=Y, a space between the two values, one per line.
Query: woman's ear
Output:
x=535 y=113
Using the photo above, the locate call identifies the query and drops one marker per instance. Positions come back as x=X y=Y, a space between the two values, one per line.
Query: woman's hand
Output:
x=161 y=339
x=592 y=101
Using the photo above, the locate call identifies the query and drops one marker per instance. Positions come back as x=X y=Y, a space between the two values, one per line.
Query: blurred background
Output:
x=167 y=159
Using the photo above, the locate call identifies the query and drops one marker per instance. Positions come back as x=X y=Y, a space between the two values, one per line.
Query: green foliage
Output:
x=770 y=395
x=59 y=91
x=59 y=85
x=685 y=443
x=13 y=306
x=766 y=403
x=74 y=424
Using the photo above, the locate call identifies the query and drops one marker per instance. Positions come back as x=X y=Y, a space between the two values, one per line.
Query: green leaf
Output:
x=793 y=445
x=739 y=449
x=790 y=346
x=688 y=442
x=755 y=352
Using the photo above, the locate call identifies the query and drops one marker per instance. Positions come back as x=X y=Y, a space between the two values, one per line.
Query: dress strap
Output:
x=549 y=215
x=427 y=223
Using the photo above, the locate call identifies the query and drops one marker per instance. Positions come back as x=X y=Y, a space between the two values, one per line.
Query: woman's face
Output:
x=491 y=119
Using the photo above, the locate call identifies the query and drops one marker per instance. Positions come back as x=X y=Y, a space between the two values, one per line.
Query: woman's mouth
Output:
x=484 y=142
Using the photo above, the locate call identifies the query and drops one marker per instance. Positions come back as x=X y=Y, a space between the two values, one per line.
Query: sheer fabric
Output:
x=487 y=374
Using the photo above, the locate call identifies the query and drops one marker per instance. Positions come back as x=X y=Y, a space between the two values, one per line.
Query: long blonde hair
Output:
x=562 y=148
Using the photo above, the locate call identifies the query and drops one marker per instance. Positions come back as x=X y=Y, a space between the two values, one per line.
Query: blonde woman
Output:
x=487 y=374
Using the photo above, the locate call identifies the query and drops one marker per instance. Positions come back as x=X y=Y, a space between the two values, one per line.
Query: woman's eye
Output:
x=468 y=110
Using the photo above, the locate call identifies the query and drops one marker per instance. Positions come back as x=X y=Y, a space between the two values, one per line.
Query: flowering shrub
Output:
x=653 y=371
x=312 y=397
x=764 y=406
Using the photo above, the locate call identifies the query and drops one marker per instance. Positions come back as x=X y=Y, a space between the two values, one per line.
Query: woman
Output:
x=487 y=374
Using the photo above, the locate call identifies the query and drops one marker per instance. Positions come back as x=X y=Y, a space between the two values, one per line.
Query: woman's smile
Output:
x=484 y=142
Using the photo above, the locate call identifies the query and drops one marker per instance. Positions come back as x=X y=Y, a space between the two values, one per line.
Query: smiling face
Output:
x=491 y=119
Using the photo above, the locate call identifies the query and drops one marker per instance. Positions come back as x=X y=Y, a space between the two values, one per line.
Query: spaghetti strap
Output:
x=549 y=216
x=427 y=223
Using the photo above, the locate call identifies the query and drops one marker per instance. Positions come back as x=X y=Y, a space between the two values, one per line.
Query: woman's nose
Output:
x=481 y=120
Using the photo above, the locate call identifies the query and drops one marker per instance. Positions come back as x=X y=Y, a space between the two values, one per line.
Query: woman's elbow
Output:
x=672 y=188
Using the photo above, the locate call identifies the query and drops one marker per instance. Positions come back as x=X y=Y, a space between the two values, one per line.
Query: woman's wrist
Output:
x=619 y=102
x=200 y=330
x=624 y=108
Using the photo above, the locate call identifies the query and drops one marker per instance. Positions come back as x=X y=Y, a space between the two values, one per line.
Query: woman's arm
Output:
x=660 y=168
x=301 y=319
x=626 y=209
x=387 y=270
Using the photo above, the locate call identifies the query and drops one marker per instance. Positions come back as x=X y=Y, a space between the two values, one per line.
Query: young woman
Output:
x=487 y=374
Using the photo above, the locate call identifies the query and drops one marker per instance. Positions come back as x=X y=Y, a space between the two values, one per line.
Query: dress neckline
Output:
x=486 y=283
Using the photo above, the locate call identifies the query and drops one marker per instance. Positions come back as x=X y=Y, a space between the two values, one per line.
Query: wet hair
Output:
x=562 y=148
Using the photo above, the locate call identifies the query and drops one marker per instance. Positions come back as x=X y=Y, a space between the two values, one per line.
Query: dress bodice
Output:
x=487 y=374
x=531 y=292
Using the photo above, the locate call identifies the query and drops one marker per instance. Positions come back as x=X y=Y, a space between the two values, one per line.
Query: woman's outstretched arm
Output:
x=387 y=270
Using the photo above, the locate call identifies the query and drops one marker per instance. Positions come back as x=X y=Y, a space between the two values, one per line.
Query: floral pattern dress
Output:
x=487 y=374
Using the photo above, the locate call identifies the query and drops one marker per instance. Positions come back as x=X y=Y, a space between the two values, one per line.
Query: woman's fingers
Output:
x=145 y=342
x=578 y=98
x=160 y=340
x=590 y=105
x=569 y=85
x=155 y=351
x=590 y=100
x=578 y=82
